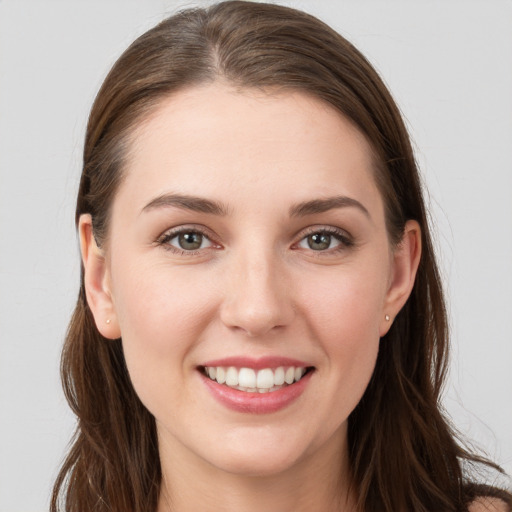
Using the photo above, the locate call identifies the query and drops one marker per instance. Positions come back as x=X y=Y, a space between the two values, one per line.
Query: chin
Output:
x=253 y=457
x=256 y=465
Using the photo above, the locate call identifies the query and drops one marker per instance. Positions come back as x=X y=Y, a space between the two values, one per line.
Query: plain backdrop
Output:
x=449 y=66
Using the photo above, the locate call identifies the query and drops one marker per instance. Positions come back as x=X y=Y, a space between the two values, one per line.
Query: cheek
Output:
x=162 y=318
x=345 y=320
x=345 y=305
x=158 y=306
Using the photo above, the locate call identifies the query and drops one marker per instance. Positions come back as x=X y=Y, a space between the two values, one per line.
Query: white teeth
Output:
x=279 y=376
x=251 y=381
x=289 y=376
x=246 y=378
x=232 y=376
x=221 y=375
x=265 y=379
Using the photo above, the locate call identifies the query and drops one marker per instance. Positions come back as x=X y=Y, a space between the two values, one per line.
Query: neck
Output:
x=319 y=482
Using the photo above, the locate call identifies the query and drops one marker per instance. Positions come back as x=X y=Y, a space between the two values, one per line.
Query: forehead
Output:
x=215 y=139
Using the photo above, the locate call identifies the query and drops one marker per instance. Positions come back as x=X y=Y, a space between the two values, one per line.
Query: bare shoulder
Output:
x=488 y=504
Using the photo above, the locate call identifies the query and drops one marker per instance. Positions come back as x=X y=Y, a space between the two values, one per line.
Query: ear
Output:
x=406 y=258
x=97 y=281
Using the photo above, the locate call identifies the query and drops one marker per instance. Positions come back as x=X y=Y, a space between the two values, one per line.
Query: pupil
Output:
x=319 y=241
x=190 y=241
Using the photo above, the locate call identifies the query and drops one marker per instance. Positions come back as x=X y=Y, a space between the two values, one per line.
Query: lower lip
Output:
x=256 y=403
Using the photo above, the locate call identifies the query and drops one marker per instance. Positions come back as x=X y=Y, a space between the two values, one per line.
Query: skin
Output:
x=254 y=288
x=486 y=504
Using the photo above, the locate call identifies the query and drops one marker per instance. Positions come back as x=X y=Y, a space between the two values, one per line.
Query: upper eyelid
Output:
x=170 y=233
x=323 y=229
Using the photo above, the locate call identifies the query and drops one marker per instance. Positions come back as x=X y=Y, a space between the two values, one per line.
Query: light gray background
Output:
x=449 y=65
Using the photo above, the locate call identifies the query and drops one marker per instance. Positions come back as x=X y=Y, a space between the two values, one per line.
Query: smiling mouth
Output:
x=265 y=380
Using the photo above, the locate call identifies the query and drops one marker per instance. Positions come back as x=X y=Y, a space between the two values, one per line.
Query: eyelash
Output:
x=344 y=239
x=164 y=239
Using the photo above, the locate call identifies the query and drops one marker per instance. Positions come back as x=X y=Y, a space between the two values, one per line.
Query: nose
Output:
x=257 y=295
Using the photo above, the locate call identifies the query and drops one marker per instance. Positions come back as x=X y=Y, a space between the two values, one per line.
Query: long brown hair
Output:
x=403 y=452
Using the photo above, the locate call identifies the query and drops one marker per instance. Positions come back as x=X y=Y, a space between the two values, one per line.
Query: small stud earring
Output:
x=108 y=320
x=387 y=317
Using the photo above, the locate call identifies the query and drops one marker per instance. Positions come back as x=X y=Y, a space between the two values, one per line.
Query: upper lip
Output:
x=256 y=363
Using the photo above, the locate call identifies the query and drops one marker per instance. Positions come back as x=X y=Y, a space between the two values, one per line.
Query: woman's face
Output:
x=248 y=238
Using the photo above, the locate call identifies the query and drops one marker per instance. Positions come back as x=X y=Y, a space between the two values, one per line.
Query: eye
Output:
x=324 y=240
x=185 y=240
x=190 y=241
x=319 y=241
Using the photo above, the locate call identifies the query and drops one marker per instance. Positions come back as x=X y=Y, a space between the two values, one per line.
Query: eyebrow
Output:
x=324 y=205
x=202 y=205
x=185 y=202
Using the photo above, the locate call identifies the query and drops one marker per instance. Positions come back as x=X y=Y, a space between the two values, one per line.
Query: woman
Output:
x=260 y=321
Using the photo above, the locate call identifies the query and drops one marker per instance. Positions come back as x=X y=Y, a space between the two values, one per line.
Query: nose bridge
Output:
x=257 y=296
